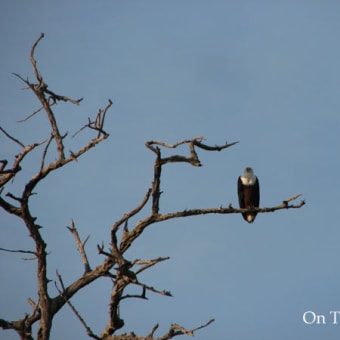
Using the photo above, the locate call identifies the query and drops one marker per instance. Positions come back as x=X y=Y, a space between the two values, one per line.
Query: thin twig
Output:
x=154 y=290
x=88 y=329
x=55 y=97
x=33 y=61
x=35 y=306
x=31 y=115
x=148 y=263
x=19 y=251
x=154 y=328
x=16 y=164
x=12 y=138
x=45 y=152
x=132 y=212
x=98 y=123
x=214 y=148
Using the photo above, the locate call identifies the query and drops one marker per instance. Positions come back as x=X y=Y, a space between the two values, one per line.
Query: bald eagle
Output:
x=248 y=193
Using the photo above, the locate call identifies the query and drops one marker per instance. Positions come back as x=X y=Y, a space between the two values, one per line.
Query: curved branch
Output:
x=132 y=212
x=33 y=61
x=12 y=138
x=9 y=174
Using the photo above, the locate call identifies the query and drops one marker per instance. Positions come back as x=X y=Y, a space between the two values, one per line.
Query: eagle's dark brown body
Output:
x=248 y=193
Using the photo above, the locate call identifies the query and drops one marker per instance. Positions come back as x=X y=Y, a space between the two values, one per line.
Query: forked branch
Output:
x=80 y=246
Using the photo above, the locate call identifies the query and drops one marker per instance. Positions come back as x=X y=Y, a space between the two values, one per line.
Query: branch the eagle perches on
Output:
x=115 y=266
x=194 y=160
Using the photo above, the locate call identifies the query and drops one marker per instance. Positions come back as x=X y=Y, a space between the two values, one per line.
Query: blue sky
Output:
x=265 y=73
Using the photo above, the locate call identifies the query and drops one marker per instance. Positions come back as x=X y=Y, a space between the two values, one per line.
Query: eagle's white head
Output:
x=248 y=177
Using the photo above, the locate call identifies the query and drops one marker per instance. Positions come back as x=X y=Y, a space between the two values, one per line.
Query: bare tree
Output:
x=115 y=266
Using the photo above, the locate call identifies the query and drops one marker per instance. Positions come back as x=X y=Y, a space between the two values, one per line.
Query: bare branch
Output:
x=103 y=252
x=132 y=212
x=141 y=296
x=150 y=335
x=55 y=97
x=100 y=119
x=8 y=175
x=10 y=208
x=45 y=152
x=59 y=163
x=292 y=198
x=176 y=330
x=98 y=123
x=29 y=85
x=159 y=162
x=15 y=198
x=6 y=324
x=32 y=114
x=19 y=251
x=156 y=184
x=214 y=148
x=193 y=159
x=40 y=89
x=12 y=138
x=35 y=306
x=144 y=289
x=46 y=316
x=74 y=310
x=33 y=61
x=154 y=290
x=3 y=166
x=32 y=303
x=148 y=263
x=80 y=246
x=172 y=146
x=229 y=210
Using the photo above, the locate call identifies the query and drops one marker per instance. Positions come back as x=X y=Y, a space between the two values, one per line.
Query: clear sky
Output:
x=265 y=73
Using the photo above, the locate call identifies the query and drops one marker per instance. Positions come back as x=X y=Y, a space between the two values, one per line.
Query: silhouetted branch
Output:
x=80 y=246
x=193 y=158
x=55 y=97
x=33 y=62
x=18 y=251
x=128 y=215
x=10 y=208
x=75 y=311
x=150 y=335
x=229 y=210
x=98 y=123
x=214 y=148
x=32 y=114
x=6 y=176
x=45 y=152
x=148 y=263
x=12 y=138
x=154 y=290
